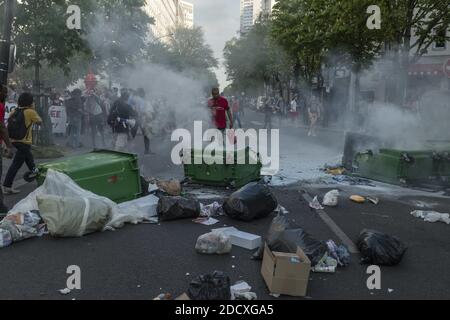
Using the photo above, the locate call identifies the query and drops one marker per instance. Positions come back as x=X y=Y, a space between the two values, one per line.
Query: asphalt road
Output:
x=141 y=261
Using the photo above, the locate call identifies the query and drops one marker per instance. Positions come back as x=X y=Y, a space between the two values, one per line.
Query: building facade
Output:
x=251 y=10
x=187 y=10
x=168 y=14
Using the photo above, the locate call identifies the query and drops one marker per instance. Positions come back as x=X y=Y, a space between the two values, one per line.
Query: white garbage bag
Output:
x=59 y=184
x=73 y=217
x=432 y=216
x=215 y=242
x=331 y=198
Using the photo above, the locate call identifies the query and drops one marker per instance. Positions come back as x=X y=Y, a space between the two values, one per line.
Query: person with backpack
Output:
x=20 y=124
x=122 y=118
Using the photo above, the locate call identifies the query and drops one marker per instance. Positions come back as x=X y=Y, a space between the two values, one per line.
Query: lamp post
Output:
x=6 y=41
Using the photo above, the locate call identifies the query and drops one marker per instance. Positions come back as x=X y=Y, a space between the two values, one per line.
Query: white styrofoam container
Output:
x=241 y=239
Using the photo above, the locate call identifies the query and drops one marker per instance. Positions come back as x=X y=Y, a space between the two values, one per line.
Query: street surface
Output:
x=142 y=261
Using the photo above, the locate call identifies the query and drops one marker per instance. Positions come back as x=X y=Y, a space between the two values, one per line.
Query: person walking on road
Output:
x=314 y=112
x=74 y=109
x=236 y=109
x=20 y=124
x=122 y=118
x=96 y=117
x=220 y=110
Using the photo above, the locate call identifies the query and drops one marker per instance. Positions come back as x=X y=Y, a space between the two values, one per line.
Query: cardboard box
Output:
x=286 y=273
x=241 y=239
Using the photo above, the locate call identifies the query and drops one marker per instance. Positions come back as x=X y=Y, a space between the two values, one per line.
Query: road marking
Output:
x=334 y=227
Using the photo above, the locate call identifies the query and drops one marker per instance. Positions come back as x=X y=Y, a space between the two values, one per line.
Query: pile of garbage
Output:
x=325 y=256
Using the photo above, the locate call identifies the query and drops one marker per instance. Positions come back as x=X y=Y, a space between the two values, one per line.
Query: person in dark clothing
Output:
x=121 y=118
x=75 y=112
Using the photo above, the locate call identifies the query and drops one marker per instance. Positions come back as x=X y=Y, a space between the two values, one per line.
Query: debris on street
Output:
x=331 y=198
x=431 y=216
x=350 y=180
x=241 y=239
x=253 y=201
x=211 y=210
x=315 y=204
x=214 y=242
x=215 y=286
x=206 y=221
x=173 y=208
x=242 y=291
x=357 y=199
x=286 y=273
x=65 y=291
x=379 y=248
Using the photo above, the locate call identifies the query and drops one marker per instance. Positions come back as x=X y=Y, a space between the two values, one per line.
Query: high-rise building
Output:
x=251 y=10
x=187 y=10
x=167 y=15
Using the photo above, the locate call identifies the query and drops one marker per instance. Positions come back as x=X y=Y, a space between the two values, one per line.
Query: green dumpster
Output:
x=111 y=174
x=397 y=166
x=245 y=168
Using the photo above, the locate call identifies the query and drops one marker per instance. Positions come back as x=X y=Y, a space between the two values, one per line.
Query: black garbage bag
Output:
x=289 y=240
x=379 y=248
x=172 y=208
x=278 y=225
x=253 y=201
x=215 y=286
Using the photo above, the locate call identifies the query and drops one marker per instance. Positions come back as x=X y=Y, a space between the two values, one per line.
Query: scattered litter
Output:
x=335 y=171
x=183 y=296
x=211 y=210
x=5 y=238
x=163 y=296
x=172 y=208
x=147 y=205
x=286 y=273
x=233 y=257
x=172 y=187
x=379 y=248
x=343 y=179
x=233 y=266
x=331 y=198
x=315 y=204
x=215 y=242
x=275 y=295
x=239 y=287
x=340 y=253
x=73 y=216
x=138 y=285
x=188 y=274
x=65 y=291
x=246 y=296
x=431 y=216
x=390 y=290
x=357 y=199
x=374 y=200
x=281 y=210
x=206 y=221
x=326 y=264
x=215 y=286
x=253 y=201
x=241 y=239
x=152 y=220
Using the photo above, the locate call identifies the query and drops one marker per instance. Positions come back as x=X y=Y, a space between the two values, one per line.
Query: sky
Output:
x=220 y=21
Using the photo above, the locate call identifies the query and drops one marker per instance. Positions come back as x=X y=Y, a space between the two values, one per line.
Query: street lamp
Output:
x=6 y=51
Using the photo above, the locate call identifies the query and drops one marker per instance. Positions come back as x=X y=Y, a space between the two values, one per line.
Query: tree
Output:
x=186 y=52
x=255 y=62
x=117 y=34
x=414 y=25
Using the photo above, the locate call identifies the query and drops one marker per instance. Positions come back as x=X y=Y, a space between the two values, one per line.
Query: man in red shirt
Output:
x=220 y=110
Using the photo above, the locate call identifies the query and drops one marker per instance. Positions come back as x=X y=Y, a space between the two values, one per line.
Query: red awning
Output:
x=435 y=69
